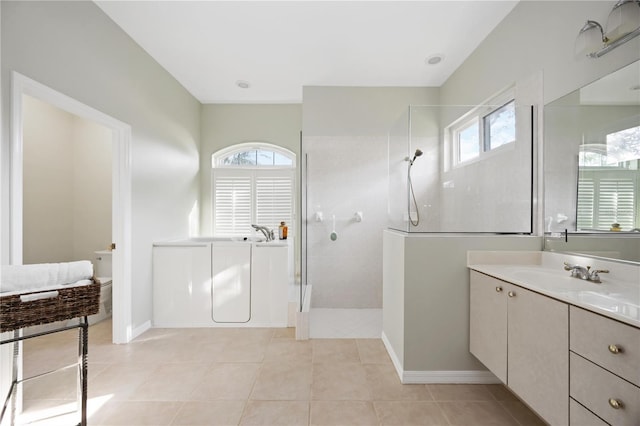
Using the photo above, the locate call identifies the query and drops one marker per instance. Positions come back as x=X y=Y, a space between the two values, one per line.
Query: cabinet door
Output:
x=231 y=282
x=538 y=353
x=181 y=285
x=488 y=323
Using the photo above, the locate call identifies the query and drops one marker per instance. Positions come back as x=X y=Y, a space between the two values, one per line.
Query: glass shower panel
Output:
x=452 y=188
x=398 y=147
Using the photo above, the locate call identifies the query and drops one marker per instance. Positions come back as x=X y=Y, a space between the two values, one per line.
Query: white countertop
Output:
x=617 y=296
x=203 y=241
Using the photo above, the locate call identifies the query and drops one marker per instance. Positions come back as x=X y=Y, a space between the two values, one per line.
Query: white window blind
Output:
x=604 y=201
x=616 y=203
x=251 y=196
x=274 y=200
x=232 y=205
x=586 y=197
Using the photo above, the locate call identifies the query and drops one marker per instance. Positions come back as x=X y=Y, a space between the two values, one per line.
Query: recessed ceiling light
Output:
x=243 y=84
x=434 y=59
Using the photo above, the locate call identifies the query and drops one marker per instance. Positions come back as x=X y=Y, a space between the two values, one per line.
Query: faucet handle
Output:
x=594 y=275
x=568 y=266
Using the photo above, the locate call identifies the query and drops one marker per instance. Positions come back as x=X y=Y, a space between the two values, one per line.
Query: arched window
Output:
x=253 y=183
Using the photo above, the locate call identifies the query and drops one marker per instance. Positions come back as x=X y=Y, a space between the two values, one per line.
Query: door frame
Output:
x=121 y=190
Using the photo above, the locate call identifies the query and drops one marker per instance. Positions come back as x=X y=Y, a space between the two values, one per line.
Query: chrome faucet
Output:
x=268 y=233
x=585 y=273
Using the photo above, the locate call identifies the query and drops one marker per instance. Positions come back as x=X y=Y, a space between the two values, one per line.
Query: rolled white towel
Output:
x=42 y=275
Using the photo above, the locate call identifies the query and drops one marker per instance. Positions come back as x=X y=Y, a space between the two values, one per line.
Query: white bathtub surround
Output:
x=345 y=323
x=221 y=282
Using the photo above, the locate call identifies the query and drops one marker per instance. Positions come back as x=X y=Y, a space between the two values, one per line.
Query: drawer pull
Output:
x=512 y=294
x=498 y=289
x=615 y=404
x=615 y=349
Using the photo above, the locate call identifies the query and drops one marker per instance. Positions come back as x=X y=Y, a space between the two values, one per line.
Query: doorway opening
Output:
x=24 y=90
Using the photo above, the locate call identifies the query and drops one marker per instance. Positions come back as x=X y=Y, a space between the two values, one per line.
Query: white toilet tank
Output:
x=102 y=270
x=102 y=264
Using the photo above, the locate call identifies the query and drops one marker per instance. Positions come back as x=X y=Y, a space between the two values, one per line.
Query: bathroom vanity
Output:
x=217 y=282
x=568 y=347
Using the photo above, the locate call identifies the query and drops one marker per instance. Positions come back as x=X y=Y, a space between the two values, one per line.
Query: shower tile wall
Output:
x=346 y=175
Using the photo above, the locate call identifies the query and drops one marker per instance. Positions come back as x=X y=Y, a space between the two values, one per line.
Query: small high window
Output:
x=484 y=129
x=254 y=155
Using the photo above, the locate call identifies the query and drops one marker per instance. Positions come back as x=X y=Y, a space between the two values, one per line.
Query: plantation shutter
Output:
x=616 y=203
x=245 y=197
x=603 y=201
x=232 y=205
x=274 y=199
x=586 y=199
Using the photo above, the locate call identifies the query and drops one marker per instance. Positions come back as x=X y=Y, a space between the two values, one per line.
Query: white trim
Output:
x=140 y=329
x=437 y=376
x=455 y=376
x=392 y=354
x=121 y=225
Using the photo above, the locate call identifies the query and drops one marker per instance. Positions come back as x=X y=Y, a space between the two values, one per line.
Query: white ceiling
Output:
x=278 y=47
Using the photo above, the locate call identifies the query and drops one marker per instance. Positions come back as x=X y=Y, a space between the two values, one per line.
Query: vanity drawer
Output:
x=596 y=338
x=598 y=390
x=580 y=416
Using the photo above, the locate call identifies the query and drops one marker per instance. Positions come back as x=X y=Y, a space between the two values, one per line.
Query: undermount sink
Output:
x=605 y=302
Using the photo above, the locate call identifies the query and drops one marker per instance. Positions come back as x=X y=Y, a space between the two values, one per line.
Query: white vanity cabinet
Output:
x=522 y=337
x=182 y=285
x=488 y=323
x=605 y=368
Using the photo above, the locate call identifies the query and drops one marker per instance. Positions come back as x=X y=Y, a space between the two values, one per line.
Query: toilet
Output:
x=102 y=271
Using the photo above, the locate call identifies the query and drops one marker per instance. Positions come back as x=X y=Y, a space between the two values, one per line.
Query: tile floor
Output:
x=345 y=323
x=244 y=376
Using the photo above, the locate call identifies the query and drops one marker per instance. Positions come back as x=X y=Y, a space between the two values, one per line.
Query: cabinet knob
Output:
x=498 y=289
x=615 y=349
x=512 y=294
x=615 y=403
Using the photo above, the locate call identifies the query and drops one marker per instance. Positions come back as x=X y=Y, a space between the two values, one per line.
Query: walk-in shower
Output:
x=424 y=176
x=474 y=174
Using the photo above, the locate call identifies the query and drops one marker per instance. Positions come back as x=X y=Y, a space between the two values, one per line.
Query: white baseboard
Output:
x=140 y=329
x=392 y=354
x=437 y=376
x=455 y=376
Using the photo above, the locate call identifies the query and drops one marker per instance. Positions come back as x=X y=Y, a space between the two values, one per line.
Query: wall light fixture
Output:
x=623 y=24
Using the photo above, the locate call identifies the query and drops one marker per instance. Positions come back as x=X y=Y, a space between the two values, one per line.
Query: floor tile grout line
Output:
x=444 y=413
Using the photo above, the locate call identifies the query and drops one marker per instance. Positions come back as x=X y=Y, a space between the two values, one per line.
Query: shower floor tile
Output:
x=345 y=323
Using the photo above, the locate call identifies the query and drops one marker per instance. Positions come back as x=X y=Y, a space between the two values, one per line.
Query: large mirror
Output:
x=592 y=168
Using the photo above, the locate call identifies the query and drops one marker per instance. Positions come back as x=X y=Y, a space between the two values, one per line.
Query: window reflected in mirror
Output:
x=609 y=182
x=592 y=168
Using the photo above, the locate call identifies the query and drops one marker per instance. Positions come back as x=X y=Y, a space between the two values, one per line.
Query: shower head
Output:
x=417 y=154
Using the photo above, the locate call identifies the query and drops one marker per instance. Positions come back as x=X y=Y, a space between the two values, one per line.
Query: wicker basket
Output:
x=71 y=302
